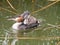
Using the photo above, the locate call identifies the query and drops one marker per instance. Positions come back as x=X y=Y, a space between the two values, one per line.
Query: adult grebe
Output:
x=28 y=23
x=25 y=19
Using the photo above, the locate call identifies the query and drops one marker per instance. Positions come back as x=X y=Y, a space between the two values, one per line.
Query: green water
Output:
x=51 y=15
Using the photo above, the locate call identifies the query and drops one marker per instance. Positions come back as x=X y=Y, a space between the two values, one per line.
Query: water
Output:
x=50 y=15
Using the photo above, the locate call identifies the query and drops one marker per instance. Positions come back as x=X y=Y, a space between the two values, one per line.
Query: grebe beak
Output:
x=11 y=19
x=14 y=19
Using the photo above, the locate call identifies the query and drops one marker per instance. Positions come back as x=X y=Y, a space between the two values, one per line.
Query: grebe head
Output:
x=17 y=19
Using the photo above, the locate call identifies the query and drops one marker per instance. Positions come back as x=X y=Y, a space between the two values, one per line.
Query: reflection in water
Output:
x=14 y=41
x=5 y=42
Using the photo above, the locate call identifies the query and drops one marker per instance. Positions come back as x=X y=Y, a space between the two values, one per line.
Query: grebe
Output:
x=31 y=21
x=24 y=21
